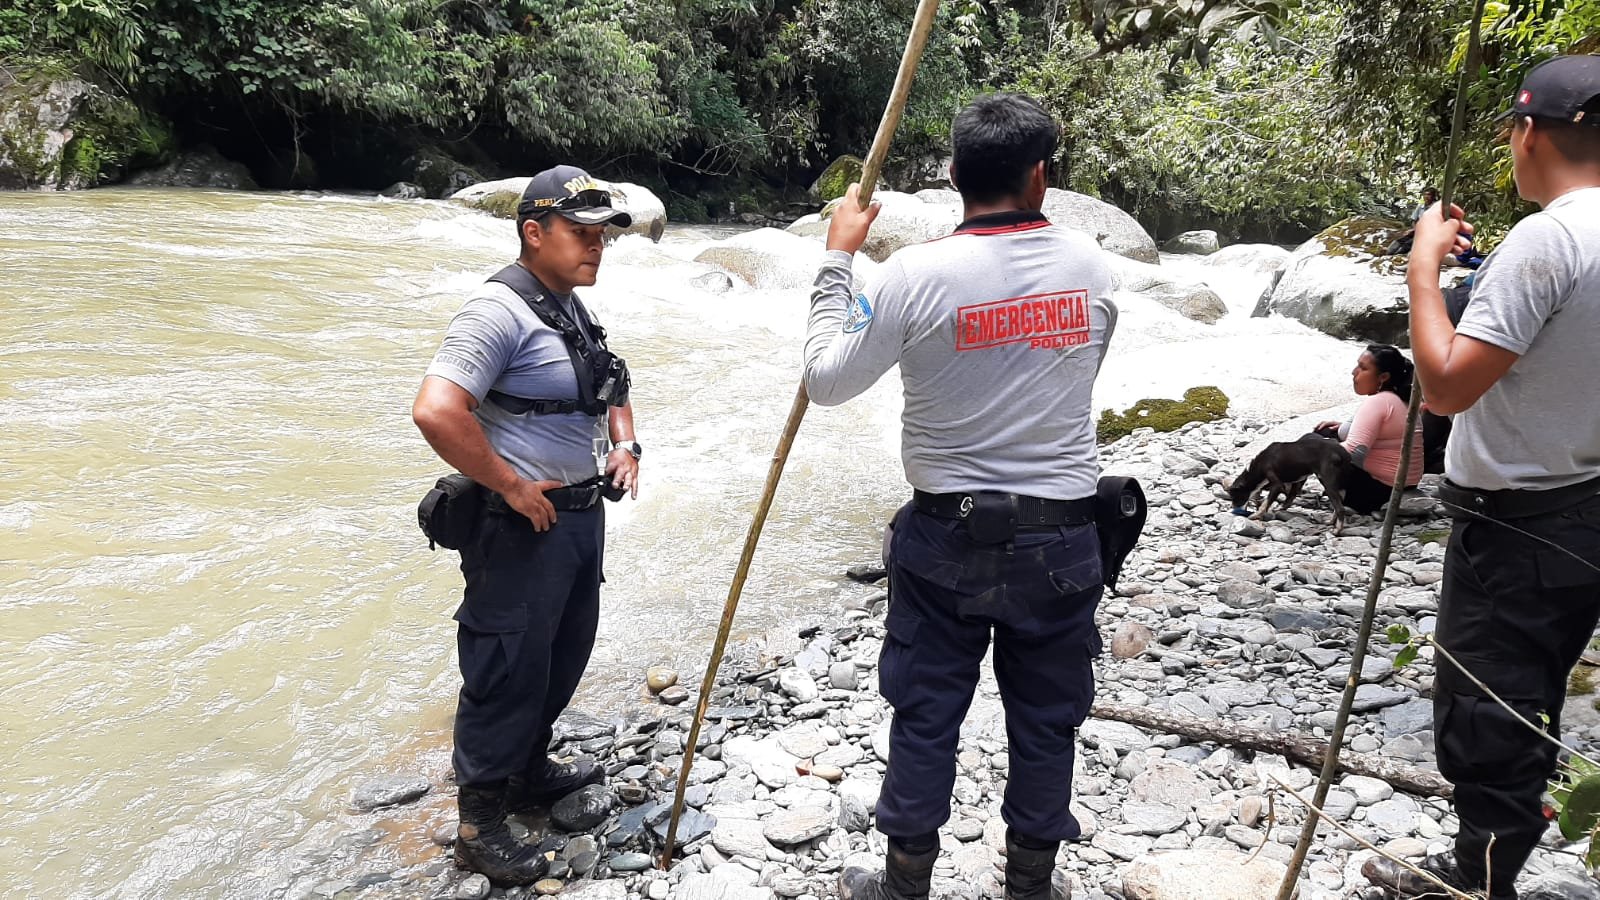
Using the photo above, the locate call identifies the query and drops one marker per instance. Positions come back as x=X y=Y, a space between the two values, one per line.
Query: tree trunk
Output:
x=1305 y=750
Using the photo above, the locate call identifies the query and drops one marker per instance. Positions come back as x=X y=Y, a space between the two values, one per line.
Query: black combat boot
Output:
x=905 y=876
x=1400 y=882
x=1031 y=869
x=484 y=844
x=544 y=786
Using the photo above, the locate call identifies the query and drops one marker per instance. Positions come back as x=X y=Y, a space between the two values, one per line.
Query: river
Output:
x=218 y=613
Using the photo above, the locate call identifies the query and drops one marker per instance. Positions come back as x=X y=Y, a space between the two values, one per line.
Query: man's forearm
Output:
x=621 y=423
x=459 y=440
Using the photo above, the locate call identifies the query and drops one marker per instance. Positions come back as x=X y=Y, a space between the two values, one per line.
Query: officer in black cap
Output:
x=1521 y=590
x=524 y=398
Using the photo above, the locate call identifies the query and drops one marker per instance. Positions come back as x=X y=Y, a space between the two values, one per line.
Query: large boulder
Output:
x=1112 y=228
x=438 y=173
x=66 y=134
x=770 y=259
x=1341 y=283
x=904 y=220
x=1258 y=259
x=500 y=198
x=1198 y=242
x=1190 y=298
x=649 y=213
x=202 y=167
x=809 y=226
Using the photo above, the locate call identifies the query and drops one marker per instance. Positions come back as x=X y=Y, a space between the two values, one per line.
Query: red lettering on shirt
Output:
x=1045 y=321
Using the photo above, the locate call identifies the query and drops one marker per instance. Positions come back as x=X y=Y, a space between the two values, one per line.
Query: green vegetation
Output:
x=1267 y=120
x=1199 y=404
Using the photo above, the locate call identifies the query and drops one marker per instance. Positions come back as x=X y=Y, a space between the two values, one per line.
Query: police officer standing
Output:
x=999 y=330
x=1521 y=590
x=524 y=398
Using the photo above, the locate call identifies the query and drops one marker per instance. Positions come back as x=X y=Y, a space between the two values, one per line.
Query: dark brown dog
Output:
x=1281 y=470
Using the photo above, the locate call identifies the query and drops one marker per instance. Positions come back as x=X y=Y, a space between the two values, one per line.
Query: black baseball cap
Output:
x=1564 y=89
x=573 y=193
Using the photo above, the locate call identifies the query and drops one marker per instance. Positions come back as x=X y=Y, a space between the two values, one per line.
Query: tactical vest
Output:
x=602 y=375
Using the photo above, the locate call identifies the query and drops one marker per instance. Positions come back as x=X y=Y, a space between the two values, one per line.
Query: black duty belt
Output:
x=1469 y=503
x=570 y=498
x=1029 y=511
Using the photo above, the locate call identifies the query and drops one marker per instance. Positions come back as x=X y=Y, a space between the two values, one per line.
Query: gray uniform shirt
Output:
x=1537 y=295
x=999 y=331
x=495 y=342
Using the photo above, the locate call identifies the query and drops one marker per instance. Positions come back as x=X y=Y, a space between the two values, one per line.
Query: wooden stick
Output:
x=1307 y=751
x=916 y=42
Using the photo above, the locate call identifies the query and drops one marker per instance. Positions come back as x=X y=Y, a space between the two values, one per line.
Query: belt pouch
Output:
x=993 y=517
x=450 y=512
x=1119 y=516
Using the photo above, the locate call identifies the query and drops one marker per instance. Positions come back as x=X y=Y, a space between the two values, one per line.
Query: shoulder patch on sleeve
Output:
x=858 y=314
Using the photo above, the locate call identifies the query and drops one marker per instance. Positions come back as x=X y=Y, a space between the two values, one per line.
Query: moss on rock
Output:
x=501 y=204
x=1199 y=404
x=1359 y=236
x=63 y=133
x=838 y=177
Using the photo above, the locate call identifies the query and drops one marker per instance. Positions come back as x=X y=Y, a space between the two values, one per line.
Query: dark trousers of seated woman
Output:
x=1363 y=493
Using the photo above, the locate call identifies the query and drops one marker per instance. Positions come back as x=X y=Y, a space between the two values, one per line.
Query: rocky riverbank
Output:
x=1217 y=617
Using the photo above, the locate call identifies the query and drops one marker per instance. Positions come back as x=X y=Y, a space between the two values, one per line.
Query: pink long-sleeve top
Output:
x=1376 y=434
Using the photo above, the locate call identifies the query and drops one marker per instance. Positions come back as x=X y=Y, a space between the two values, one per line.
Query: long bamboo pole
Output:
x=916 y=42
x=1330 y=765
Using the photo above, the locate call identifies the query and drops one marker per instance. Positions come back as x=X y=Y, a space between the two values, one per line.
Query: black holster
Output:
x=449 y=513
x=1119 y=515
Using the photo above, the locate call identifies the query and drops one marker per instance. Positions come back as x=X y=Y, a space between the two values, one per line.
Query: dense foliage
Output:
x=1271 y=116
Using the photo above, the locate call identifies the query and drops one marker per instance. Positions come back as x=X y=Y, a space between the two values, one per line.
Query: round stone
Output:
x=827 y=773
x=659 y=678
x=674 y=695
x=629 y=862
x=548 y=887
x=473 y=887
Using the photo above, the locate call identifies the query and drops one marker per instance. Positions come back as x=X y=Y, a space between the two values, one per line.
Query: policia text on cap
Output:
x=525 y=399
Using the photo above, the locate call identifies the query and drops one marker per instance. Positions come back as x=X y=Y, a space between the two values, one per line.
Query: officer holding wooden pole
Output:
x=999 y=331
x=1521 y=593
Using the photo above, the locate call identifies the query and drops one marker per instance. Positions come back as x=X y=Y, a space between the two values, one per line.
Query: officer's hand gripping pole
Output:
x=1330 y=763
x=916 y=41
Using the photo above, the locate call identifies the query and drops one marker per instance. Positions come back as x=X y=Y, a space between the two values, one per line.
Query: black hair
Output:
x=1577 y=143
x=996 y=141
x=1391 y=362
x=1431 y=190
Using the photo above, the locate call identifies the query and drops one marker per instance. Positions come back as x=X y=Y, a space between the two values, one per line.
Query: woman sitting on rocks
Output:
x=1374 y=437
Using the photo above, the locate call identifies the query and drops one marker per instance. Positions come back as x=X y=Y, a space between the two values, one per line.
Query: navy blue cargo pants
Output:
x=526 y=628
x=947 y=596
x=1519 y=606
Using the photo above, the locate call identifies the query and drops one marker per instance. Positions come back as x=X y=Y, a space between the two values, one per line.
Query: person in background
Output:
x=1430 y=196
x=1375 y=435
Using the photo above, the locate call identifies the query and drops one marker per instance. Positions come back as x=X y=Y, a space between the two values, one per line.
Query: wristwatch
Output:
x=633 y=447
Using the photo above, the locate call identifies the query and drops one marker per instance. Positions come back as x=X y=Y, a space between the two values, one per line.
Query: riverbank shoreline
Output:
x=1217 y=616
